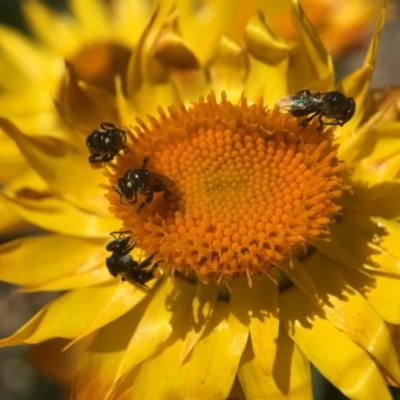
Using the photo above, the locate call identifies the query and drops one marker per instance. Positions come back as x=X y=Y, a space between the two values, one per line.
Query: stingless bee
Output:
x=334 y=106
x=121 y=263
x=105 y=143
x=144 y=182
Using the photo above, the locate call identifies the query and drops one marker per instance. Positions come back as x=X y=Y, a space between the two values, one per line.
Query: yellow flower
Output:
x=278 y=244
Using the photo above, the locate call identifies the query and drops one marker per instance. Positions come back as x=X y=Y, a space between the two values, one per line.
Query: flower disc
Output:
x=248 y=187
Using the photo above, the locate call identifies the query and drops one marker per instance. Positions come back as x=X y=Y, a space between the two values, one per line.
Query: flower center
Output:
x=247 y=187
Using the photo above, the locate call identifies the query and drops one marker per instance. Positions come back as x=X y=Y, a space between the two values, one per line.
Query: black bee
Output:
x=121 y=262
x=105 y=143
x=332 y=105
x=142 y=181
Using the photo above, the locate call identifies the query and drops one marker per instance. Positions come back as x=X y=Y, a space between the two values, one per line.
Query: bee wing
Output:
x=301 y=104
x=286 y=102
x=158 y=179
x=143 y=288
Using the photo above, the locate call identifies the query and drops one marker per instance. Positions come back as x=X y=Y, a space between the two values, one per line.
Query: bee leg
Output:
x=156 y=273
x=93 y=158
x=307 y=120
x=120 y=195
x=147 y=200
x=335 y=122
x=135 y=199
x=146 y=277
x=141 y=206
x=107 y=157
x=322 y=123
x=119 y=233
x=304 y=123
x=147 y=262
x=132 y=265
x=130 y=248
x=144 y=162
x=304 y=92
x=107 y=126
x=167 y=193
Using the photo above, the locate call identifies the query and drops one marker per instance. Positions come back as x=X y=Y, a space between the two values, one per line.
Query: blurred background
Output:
x=22 y=380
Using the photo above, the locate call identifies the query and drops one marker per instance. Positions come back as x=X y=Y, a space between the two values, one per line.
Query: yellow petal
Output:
x=353 y=148
x=92 y=271
x=211 y=368
x=72 y=281
x=379 y=200
x=190 y=84
x=126 y=110
x=172 y=51
x=56 y=215
x=381 y=164
x=258 y=82
x=384 y=252
x=11 y=161
x=155 y=325
x=237 y=391
x=356 y=85
x=53 y=29
x=170 y=375
x=35 y=112
x=381 y=291
x=214 y=17
x=9 y=79
x=202 y=307
x=290 y=378
x=214 y=362
x=11 y=222
x=66 y=316
x=97 y=367
x=143 y=81
x=149 y=97
x=130 y=19
x=229 y=69
x=390 y=240
x=263 y=42
x=63 y=166
x=27 y=178
x=308 y=56
x=51 y=358
x=264 y=322
x=386 y=205
x=350 y=312
x=370 y=254
x=122 y=300
x=271 y=61
x=94 y=16
x=15 y=50
x=342 y=362
x=83 y=105
x=49 y=261
x=134 y=72
x=184 y=72
x=351 y=249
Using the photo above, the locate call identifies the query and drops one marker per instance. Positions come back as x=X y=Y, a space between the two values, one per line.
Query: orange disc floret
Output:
x=248 y=187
